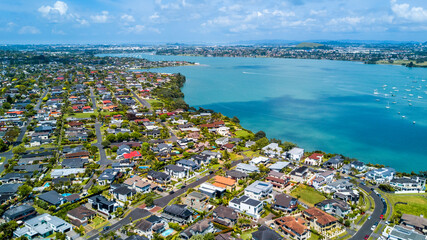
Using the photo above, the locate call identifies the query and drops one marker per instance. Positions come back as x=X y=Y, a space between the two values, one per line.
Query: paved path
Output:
x=375 y=216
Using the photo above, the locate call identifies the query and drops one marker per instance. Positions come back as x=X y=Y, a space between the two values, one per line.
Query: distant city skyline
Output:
x=200 y=21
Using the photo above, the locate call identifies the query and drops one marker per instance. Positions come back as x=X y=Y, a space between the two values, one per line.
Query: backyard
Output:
x=307 y=195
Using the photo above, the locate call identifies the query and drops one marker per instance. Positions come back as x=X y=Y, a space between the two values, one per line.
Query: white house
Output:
x=260 y=159
x=176 y=172
x=295 y=154
x=272 y=150
x=246 y=168
x=221 y=141
x=258 y=190
x=223 y=131
x=248 y=206
x=381 y=175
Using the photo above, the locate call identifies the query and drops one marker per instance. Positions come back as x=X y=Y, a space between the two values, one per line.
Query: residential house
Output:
x=322 y=178
x=335 y=207
x=381 y=175
x=285 y=203
x=260 y=159
x=419 y=223
x=176 y=172
x=300 y=174
x=20 y=213
x=400 y=233
x=279 y=180
x=80 y=216
x=295 y=154
x=188 y=164
x=334 y=162
x=265 y=233
x=221 y=141
x=101 y=204
x=359 y=166
x=123 y=193
x=293 y=227
x=200 y=228
x=248 y=206
x=225 y=215
x=108 y=176
x=408 y=185
x=272 y=150
x=158 y=177
x=314 y=159
x=246 y=168
x=338 y=185
x=211 y=190
x=278 y=166
x=177 y=213
x=224 y=182
x=137 y=183
x=197 y=201
x=52 y=198
x=236 y=175
x=352 y=196
x=320 y=221
x=259 y=190
x=42 y=226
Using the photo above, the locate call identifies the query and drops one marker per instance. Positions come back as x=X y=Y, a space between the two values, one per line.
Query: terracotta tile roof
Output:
x=225 y=181
x=321 y=217
x=295 y=224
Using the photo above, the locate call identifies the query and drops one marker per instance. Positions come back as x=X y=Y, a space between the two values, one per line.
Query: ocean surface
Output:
x=375 y=113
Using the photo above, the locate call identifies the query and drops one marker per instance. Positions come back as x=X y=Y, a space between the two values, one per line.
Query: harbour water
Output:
x=375 y=113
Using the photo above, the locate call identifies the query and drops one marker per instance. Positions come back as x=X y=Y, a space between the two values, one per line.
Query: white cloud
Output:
x=82 y=21
x=58 y=7
x=136 y=29
x=127 y=18
x=154 y=16
x=29 y=30
x=405 y=11
x=101 y=18
x=318 y=12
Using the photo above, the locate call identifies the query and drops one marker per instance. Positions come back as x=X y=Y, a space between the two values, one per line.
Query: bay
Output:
x=318 y=104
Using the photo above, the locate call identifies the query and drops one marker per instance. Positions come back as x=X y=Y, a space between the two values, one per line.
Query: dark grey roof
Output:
x=123 y=190
x=225 y=212
x=175 y=168
x=74 y=162
x=136 y=237
x=252 y=202
x=284 y=200
x=18 y=211
x=178 y=210
x=154 y=219
x=9 y=188
x=144 y=225
x=265 y=233
x=236 y=174
x=158 y=175
x=51 y=197
x=240 y=199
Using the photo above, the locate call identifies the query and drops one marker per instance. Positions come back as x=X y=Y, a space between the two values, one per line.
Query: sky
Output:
x=209 y=21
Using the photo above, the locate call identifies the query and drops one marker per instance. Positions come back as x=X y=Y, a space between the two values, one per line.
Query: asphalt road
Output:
x=142 y=101
x=138 y=213
x=375 y=216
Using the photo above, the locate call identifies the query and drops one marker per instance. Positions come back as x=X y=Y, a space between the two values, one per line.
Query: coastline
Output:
x=250 y=131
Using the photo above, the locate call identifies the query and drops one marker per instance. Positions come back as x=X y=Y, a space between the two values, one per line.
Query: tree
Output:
x=149 y=201
x=235 y=120
x=19 y=149
x=3 y=146
x=259 y=135
x=6 y=106
x=105 y=143
x=24 y=190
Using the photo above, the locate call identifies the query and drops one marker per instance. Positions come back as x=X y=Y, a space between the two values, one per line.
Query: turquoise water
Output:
x=46 y=184
x=167 y=232
x=318 y=104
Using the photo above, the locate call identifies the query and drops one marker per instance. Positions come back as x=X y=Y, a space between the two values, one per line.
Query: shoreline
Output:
x=250 y=131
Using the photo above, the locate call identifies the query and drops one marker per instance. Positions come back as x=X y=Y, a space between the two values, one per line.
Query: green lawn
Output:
x=80 y=115
x=314 y=236
x=307 y=195
x=416 y=203
x=98 y=222
x=248 y=234
x=242 y=134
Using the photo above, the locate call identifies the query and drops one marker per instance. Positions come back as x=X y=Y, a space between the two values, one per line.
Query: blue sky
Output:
x=210 y=21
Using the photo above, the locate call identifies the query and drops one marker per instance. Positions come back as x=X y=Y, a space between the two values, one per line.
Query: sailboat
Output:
x=376 y=92
x=388 y=105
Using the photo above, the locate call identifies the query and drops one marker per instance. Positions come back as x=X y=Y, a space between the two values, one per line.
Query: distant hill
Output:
x=309 y=45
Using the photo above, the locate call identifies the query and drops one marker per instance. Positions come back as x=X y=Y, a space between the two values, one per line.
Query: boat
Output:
x=420 y=97
x=376 y=92
x=394 y=102
x=377 y=100
x=403 y=116
x=384 y=86
x=413 y=122
x=411 y=94
x=410 y=104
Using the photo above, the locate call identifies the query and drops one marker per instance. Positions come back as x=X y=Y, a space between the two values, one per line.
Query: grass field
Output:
x=154 y=103
x=403 y=62
x=242 y=134
x=314 y=236
x=307 y=195
x=80 y=115
x=248 y=234
x=98 y=222
x=416 y=203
